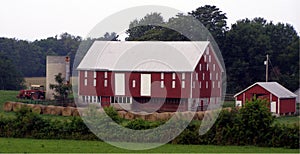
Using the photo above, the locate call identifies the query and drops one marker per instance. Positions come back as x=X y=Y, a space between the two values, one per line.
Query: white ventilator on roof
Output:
x=274 y=88
x=147 y=56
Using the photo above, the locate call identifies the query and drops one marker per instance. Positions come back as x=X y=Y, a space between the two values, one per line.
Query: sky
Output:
x=39 y=19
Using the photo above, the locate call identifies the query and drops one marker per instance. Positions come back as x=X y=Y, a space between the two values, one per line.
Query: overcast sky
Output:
x=39 y=19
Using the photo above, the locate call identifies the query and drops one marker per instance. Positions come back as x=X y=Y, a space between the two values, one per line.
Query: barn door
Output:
x=119 y=84
x=145 y=84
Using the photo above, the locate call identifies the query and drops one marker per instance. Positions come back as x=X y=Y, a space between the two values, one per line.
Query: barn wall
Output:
x=212 y=77
x=287 y=105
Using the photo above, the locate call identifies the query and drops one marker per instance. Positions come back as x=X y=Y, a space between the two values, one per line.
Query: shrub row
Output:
x=251 y=125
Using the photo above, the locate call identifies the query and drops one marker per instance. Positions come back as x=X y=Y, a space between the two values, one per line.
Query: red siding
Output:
x=287 y=105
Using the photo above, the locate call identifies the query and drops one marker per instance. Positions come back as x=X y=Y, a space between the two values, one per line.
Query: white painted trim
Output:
x=278 y=106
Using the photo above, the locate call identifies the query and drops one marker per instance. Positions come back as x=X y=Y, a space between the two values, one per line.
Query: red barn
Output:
x=282 y=101
x=151 y=75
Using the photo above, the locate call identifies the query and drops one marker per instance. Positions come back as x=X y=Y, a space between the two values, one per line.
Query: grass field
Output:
x=66 y=146
x=7 y=95
x=289 y=120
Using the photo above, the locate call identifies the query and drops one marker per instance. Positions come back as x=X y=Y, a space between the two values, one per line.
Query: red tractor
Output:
x=35 y=92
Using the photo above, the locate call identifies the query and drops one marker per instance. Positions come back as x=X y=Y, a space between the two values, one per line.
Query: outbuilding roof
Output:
x=152 y=56
x=274 y=88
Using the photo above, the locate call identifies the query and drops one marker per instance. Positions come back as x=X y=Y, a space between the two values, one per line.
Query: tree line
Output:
x=243 y=46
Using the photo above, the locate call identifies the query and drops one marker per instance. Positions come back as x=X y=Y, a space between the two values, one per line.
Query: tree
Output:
x=109 y=37
x=213 y=19
x=245 y=49
x=62 y=89
x=10 y=78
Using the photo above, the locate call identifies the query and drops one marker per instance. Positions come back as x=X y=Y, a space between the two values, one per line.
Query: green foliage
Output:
x=62 y=89
x=245 y=49
x=10 y=77
x=113 y=114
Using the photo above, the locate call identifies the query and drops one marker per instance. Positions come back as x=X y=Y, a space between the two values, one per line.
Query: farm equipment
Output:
x=36 y=92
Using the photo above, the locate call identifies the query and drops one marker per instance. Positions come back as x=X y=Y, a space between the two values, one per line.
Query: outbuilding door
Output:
x=273 y=107
x=145 y=84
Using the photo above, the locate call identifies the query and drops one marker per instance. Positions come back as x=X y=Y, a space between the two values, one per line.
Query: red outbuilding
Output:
x=151 y=75
x=282 y=101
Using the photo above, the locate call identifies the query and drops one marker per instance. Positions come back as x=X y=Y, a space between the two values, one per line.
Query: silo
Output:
x=55 y=65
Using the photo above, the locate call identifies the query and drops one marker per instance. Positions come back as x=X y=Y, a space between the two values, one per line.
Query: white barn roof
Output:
x=150 y=56
x=274 y=88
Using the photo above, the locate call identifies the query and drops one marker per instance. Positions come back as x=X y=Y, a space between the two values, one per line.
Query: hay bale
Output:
x=208 y=116
x=129 y=116
x=57 y=110
x=151 y=117
x=164 y=116
x=67 y=111
x=36 y=109
x=200 y=115
x=48 y=109
x=122 y=114
x=76 y=112
x=139 y=116
x=42 y=108
x=17 y=106
x=8 y=106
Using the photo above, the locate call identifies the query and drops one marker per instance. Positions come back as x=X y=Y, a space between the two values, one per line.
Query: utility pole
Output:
x=267 y=67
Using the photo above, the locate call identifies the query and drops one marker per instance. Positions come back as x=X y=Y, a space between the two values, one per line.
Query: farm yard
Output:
x=46 y=145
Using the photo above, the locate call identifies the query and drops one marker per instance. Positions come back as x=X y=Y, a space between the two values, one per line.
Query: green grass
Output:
x=67 y=146
x=289 y=120
x=7 y=95
x=229 y=104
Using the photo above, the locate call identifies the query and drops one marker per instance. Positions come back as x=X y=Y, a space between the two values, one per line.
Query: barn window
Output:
x=183 y=76
x=206 y=86
x=173 y=84
x=182 y=84
x=214 y=67
x=209 y=58
x=173 y=76
x=203 y=76
x=200 y=84
x=127 y=99
x=85 y=82
x=162 y=76
x=210 y=76
x=217 y=76
x=193 y=85
x=105 y=75
x=207 y=67
x=162 y=84
x=219 y=84
x=95 y=74
x=95 y=82
x=105 y=83
x=204 y=58
x=197 y=76
x=213 y=84
x=207 y=51
x=200 y=67
x=133 y=83
x=85 y=73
